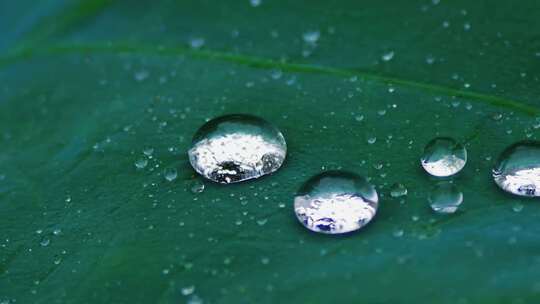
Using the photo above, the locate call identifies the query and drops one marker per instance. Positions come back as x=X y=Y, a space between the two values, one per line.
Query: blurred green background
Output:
x=86 y=86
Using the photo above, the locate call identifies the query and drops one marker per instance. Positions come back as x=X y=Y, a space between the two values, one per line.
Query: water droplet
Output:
x=444 y=156
x=186 y=291
x=445 y=197
x=372 y=140
x=197 y=187
x=261 y=222
x=141 y=163
x=387 y=56
x=255 y=3
x=141 y=75
x=398 y=233
x=311 y=37
x=359 y=118
x=170 y=174
x=265 y=260
x=398 y=190
x=336 y=202
x=148 y=151
x=235 y=148
x=197 y=42
x=518 y=169
x=45 y=242
x=517 y=207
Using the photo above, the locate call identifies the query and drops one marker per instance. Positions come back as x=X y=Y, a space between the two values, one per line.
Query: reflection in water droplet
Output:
x=235 y=148
x=518 y=169
x=336 y=202
x=444 y=156
x=445 y=197
x=398 y=190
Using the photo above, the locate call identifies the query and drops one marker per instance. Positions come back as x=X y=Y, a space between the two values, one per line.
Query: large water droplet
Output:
x=518 y=169
x=235 y=148
x=445 y=197
x=444 y=156
x=336 y=202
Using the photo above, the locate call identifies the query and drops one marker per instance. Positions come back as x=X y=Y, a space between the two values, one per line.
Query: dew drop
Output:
x=148 y=151
x=387 y=56
x=398 y=190
x=235 y=148
x=444 y=156
x=336 y=202
x=517 y=207
x=311 y=37
x=197 y=187
x=170 y=174
x=141 y=163
x=518 y=169
x=255 y=3
x=45 y=242
x=186 y=291
x=196 y=43
x=445 y=198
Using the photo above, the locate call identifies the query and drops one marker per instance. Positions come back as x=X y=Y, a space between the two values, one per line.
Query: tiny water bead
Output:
x=398 y=190
x=518 y=169
x=335 y=202
x=443 y=156
x=237 y=147
x=445 y=198
x=170 y=174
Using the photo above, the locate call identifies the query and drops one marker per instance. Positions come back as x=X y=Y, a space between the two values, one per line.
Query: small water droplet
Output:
x=398 y=233
x=311 y=37
x=496 y=116
x=517 y=207
x=387 y=56
x=255 y=3
x=398 y=190
x=235 y=148
x=197 y=186
x=445 y=197
x=359 y=118
x=336 y=202
x=170 y=174
x=518 y=169
x=276 y=74
x=141 y=163
x=265 y=260
x=261 y=222
x=186 y=291
x=148 y=151
x=45 y=242
x=371 y=140
x=141 y=75
x=197 y=42
x=443 y=156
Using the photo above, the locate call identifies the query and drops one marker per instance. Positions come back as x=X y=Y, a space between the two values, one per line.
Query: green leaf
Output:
x=87 y=85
